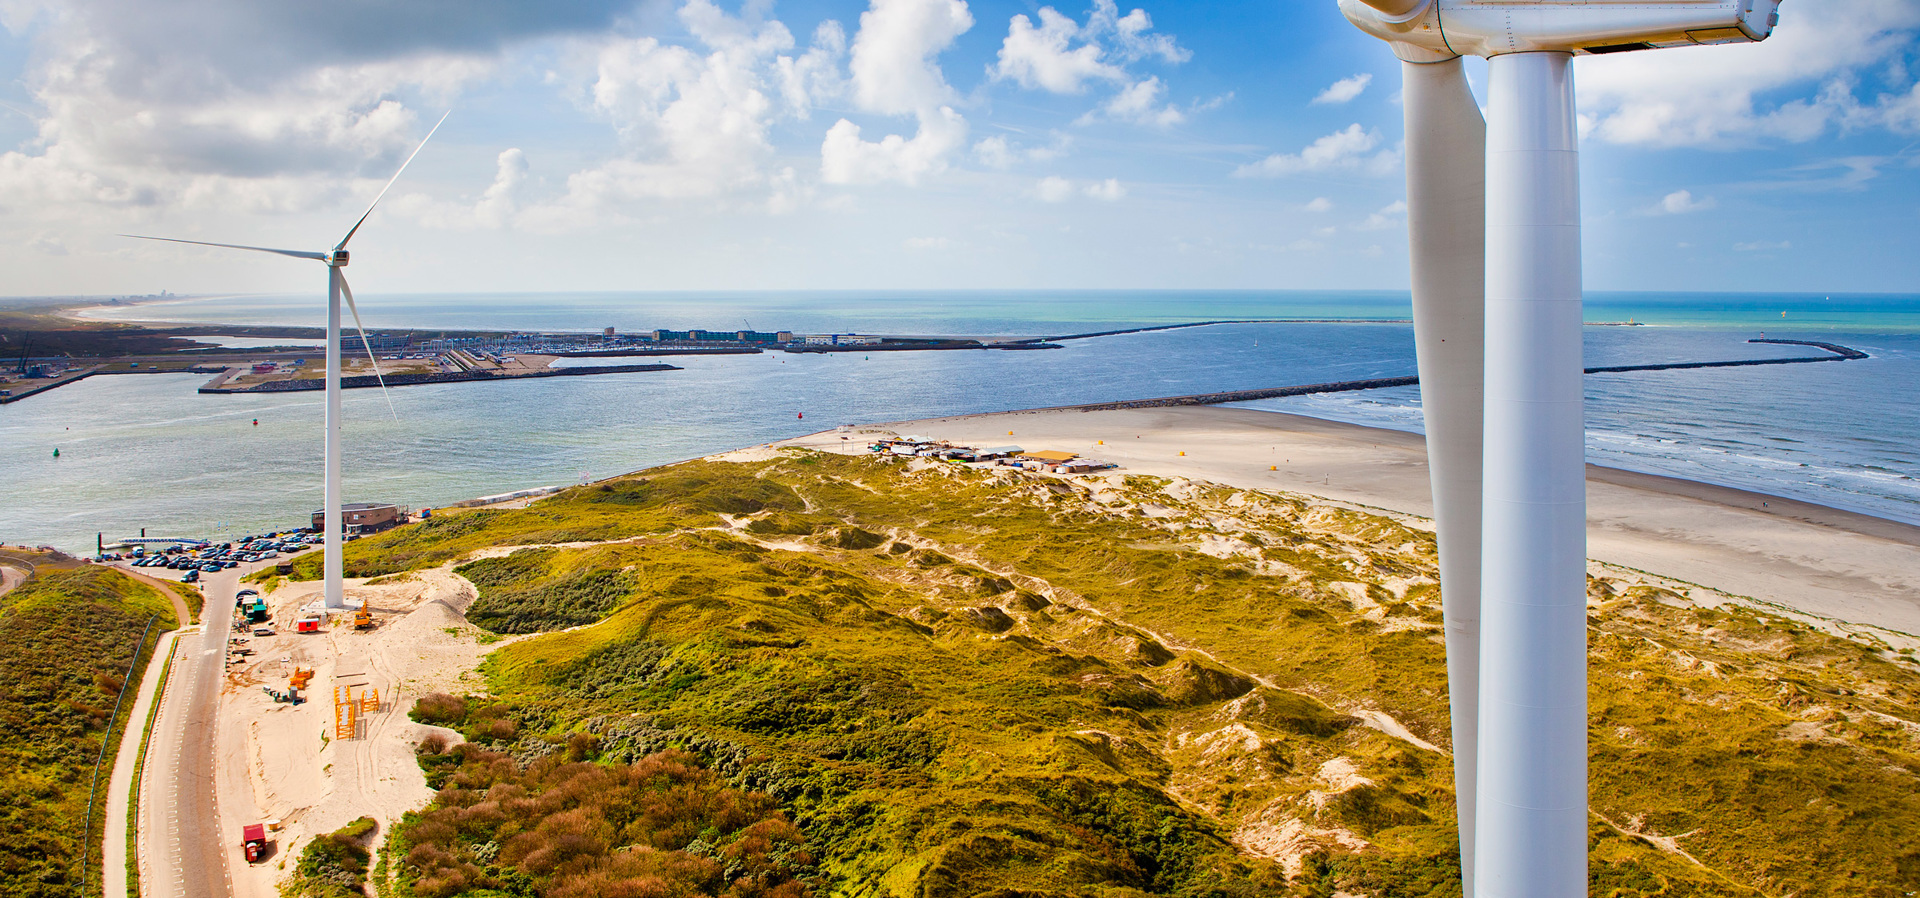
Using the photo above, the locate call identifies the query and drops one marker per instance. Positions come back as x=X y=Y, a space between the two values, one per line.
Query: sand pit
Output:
x=281 y=761
x=1820 y=561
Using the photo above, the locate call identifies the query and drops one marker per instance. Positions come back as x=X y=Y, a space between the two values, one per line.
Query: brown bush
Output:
x=578 y=829
x=440 y=709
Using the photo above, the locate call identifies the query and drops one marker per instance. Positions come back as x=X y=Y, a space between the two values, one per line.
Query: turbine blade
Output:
x=396 y=176
x=1446 y=224
x=347 y=292
x=298 y=254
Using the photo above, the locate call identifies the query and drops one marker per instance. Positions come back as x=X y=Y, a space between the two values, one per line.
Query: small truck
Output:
x=253 y=839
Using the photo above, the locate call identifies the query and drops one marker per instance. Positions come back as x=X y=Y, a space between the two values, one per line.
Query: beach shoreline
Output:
x=1826 y=562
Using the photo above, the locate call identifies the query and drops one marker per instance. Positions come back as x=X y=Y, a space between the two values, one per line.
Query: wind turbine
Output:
x=1493 y=211
x=336 y=260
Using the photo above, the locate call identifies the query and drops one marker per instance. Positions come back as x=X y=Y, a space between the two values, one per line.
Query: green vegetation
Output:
x=565 y=827
x=67 y=638
x=957 y=681
x=333 y=865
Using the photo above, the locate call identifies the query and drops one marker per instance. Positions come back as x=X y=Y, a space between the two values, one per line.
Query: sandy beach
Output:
x=1819 y=561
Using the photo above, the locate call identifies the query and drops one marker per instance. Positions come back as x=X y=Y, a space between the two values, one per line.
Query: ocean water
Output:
x=147 y=451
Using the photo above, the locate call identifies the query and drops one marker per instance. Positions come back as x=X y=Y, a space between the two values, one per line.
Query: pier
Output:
x=1840 y=354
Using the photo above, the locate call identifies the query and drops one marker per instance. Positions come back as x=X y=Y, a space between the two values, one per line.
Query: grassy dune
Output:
x=67 y=637
x=963 y=682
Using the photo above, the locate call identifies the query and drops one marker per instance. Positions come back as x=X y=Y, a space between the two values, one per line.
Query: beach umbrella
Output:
x=336 y=261
x=1493 y=215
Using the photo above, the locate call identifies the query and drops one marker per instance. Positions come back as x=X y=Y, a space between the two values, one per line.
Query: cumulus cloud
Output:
x=1388 y=217
x=1001 y=153
x=1318 y=204
x=893 y=66
x=815 y=75
x=1349 y=149
x=1680 y=202
x=846 y=158
x=894 y=72
x=691 y=124
x=1722 y=95
x=237 y=105
x=1054 y=189
x=1063 y=56
x=1344 y=90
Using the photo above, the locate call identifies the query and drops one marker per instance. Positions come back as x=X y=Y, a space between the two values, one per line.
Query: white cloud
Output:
x=994 y=152
x=845 y=158
x=895 y=73
x=1345 y=150
x=1680 y=202
x=1344 y=90
x=1062 y=56
x=1000 y=153
x=1054 y=189
x=1040 y=57
x=1713 y=95
x=501 y=200
x=926 y=243
x=1140 y=103
x=814 y=75
x=1109 y=190
x=1388 y=217
x=893 y=66
x=1761 y=246
x=1318 y=204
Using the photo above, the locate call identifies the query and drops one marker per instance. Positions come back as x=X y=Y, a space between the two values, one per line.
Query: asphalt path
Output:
x=182 y=850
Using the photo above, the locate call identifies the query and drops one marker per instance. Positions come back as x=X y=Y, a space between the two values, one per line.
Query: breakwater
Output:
x=1840 y=354
x=217 y=385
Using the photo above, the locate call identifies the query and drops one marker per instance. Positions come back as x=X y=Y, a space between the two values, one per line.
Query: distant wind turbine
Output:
x=336 y=288
x=1493 y=214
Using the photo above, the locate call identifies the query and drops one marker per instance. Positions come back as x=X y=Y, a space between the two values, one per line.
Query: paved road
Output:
x=182 y=850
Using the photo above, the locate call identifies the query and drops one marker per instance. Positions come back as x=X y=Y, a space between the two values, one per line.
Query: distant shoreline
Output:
x=1830 y=562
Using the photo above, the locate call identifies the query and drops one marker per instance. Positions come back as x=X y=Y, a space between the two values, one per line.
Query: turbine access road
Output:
x=182 y=850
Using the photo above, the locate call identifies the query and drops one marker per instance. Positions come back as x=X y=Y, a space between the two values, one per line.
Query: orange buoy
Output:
x=1273 y=467
x=1183 y=452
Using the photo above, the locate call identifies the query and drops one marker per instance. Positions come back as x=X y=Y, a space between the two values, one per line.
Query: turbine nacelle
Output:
x=339 y=259
x=1448 y=28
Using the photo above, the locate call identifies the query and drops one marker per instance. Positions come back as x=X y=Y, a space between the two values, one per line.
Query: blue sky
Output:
x=893 y=144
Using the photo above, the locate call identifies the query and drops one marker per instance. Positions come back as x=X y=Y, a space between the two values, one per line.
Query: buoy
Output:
x=1099 y=442
x=1183 y=452
x=56 y=453
x=1273 y=467
x=800 y=415
x=256 y=422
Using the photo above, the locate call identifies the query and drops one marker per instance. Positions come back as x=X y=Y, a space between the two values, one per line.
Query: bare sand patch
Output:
x=279 y=761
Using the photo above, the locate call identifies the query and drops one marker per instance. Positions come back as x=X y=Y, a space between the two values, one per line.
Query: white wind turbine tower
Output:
x=336 y=288
x=1494 y=215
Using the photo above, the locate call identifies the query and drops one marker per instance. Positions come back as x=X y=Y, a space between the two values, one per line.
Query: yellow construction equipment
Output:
x=346 y=716
x=363 y=619
x=370 y=700
x=301 y=677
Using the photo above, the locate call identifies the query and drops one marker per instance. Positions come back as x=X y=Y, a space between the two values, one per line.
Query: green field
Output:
x=67 y=638
x=964 y=682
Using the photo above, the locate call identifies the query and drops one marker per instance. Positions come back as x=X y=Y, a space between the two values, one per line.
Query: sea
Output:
x=147 y=453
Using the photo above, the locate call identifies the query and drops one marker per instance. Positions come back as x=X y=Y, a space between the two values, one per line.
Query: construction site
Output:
x=299 y=767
